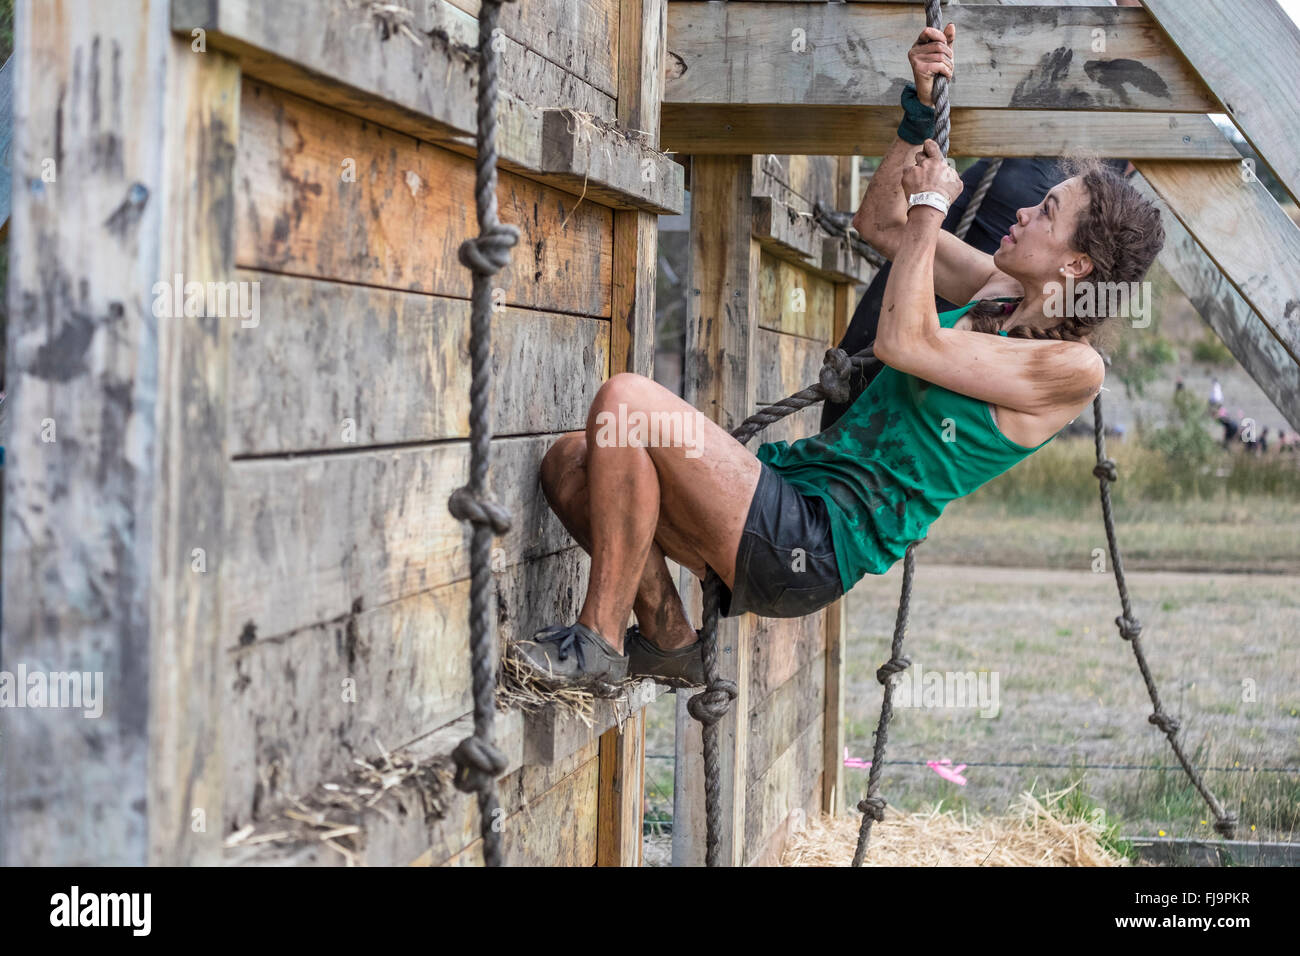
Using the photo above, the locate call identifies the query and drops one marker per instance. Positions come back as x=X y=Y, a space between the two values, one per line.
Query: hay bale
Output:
x=1034 y=833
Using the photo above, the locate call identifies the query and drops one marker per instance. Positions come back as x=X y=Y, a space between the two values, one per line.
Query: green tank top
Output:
x=893 y=461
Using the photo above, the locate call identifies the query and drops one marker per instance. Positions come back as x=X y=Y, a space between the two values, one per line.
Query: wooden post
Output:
x=719 y=380
x=124 y=154
x=1235 y=49
x=642 y=27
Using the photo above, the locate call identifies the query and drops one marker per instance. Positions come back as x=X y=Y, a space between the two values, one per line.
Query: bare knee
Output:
x=567 y=455
x=625 y=388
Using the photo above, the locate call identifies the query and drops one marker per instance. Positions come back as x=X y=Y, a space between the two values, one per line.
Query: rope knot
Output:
x=895 y=665
x=711 y=704
x=837 y=368
x=489 y=252
x=1129 y=627
x=1106 y=469
x=467 y=506
x=1169 y=725
x=873 y=807
x=478 y=764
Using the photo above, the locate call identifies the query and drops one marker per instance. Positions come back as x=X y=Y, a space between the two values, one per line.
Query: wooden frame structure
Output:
x=235 y=522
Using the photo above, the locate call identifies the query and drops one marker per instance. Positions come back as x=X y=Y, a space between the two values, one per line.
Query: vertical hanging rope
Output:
x=939 y=91
x=1130 y=628
x=872 y=806
x=478 y=761
x=977 y=199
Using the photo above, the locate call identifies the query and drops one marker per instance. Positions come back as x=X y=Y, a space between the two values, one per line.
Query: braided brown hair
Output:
x=1120 y=231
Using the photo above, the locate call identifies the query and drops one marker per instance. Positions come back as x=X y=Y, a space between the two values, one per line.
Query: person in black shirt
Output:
x=1019 y=183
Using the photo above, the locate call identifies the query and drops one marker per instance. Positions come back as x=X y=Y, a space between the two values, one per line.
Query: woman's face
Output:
x=1038 y=244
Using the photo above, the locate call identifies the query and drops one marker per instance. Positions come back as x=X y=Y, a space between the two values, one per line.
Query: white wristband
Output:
x=937 y=200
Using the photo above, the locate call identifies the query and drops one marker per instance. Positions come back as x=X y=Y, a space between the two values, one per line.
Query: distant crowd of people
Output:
x=1243 y=429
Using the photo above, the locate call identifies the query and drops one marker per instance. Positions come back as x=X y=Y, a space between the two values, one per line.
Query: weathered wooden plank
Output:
x=316 y=534
x=198 y=236
x=1247 y=234
x=786 y=787
x=425 y=84
x=720 y=347
x=331 y=365
x=552 y=732
x=608 y=165
x=771 y=851
x=1238 y=325
x=812 y=177
x=622 y=793
x=794 y=301
x=557 y=828
x=636 y=265
x=394 y=834
x=111 y=428
x=869 y=131
x=1236 y=50
x=426 y=89
x=642 y=25
x=783 y=647
x=780 y=717
x=848 y=182
x=400 y=223
x=840 y=263
x=348 y=45
x=799 y=181
x=784 y=232
x=856 y=54
x=299 y=707
x=580 y=35
x=787 y=363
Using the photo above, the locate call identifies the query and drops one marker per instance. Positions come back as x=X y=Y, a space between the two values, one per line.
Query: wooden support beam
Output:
x=124 y=150
x=1245 y=53
x=720 y=381
x=841 y=264
x=622 y=793
x=642 y=30
x=428 y=88
x=1237 y=325
x=855 y=54
x=1243 y=229
x=785 y=232
x=869 y=131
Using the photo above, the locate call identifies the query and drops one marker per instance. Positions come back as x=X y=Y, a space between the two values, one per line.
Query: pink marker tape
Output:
x=943 y=768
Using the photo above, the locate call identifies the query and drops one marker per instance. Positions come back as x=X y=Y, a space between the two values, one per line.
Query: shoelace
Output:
x=566 y=639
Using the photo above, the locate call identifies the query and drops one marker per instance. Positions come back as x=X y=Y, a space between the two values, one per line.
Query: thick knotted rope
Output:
x=478 y=761
x=1225 y=822
x=872 y=805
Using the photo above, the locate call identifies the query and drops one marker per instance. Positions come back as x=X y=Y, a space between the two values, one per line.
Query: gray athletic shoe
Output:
x=572 y=656
x=683 y=667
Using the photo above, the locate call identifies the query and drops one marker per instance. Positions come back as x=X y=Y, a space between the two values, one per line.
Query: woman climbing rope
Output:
x=965 y=395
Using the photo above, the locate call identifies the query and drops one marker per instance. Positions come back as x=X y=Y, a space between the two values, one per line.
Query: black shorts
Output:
x=785 y=566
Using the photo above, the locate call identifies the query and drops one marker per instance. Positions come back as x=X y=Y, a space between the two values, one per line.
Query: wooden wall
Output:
x=309 y=451
x=764 y=309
